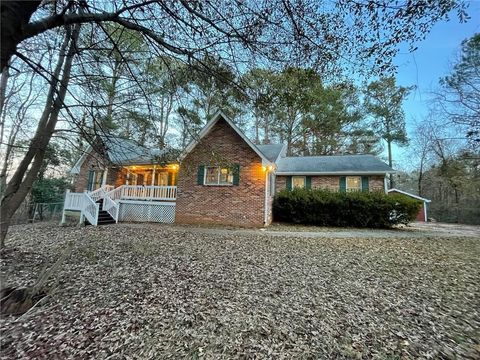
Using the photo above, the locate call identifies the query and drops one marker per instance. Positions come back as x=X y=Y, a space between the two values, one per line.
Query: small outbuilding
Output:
x=422 y=213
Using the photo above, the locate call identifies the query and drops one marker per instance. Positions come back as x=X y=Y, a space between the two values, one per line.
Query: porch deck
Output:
x=136 y=203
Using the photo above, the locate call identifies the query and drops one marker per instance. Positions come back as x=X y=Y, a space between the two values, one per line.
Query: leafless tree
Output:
x=239 y=34
x=28 y=168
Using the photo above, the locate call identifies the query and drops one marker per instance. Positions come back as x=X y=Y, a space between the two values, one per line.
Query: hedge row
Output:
x=345 y=209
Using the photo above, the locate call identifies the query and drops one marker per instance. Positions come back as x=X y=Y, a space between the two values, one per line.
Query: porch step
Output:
x=104 y=217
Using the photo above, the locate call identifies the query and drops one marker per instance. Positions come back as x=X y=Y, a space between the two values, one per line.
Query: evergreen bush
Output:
x=345 y=209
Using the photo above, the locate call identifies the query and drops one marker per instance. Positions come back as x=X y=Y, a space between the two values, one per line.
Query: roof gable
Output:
x=272 y=151
x=209 y=126
x=409 y=194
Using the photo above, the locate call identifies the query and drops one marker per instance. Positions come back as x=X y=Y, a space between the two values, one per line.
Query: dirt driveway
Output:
x=413 y=230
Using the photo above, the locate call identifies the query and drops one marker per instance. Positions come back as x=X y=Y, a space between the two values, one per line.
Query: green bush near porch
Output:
x=346 y=209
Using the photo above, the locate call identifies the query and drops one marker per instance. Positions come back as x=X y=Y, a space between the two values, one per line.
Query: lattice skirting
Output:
x=163 y=212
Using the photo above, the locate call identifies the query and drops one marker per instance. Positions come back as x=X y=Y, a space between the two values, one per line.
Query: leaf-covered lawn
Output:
x=151 y=291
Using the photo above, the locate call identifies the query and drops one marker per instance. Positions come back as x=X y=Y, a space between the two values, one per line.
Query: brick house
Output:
x=220 y=178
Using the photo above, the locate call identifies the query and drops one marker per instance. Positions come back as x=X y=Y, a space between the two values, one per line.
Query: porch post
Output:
x=104 y=180
x=153 y=174
x=63 y=210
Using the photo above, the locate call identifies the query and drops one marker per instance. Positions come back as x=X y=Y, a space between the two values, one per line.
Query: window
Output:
x=354 y=183
x=217 y=175
x=298 y=182
x=95 y=179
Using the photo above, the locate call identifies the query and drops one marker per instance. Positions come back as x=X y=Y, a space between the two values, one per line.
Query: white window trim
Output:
x=218 y=183
x=353 y=189
x=304 y=181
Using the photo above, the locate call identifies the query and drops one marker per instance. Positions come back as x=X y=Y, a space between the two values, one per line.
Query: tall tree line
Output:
x=238 y=35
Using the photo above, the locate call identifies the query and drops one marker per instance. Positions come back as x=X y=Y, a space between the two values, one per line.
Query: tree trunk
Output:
x=257 y=126
x=14 y=16
x=3 y=93
x=266 y=130
x=420 y=178
x=26 y=173
x=390 y=162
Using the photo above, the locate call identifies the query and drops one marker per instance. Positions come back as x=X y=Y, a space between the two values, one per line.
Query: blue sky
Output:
x=431 y=61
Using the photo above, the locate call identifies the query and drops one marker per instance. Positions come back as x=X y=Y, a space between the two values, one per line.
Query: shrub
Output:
x=353 y=209
x=49 y=190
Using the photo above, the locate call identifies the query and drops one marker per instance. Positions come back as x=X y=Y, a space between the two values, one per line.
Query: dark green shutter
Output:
x=365 y=186
x=289 y=183
x=343 y=183
x=91 y=176
x=200 y=174
x=308 y=182
x=236 y=174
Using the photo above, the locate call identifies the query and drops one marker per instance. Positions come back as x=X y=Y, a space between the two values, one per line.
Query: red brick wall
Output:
x=330 y=182
x=232 y=205
x=94 y=161
x=97 y=162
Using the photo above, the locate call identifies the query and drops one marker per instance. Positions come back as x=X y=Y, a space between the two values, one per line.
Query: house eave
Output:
x=300 y=173
x=75 y=170
x=411 y=195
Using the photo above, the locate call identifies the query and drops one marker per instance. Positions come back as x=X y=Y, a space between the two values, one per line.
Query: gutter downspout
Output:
x=265 y=215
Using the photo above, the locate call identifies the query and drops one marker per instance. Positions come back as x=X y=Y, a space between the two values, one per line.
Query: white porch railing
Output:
x=87 y=204
x=115 y=194
x=97 y=194
x=74 y=201
x=111 y=207
x=90 y=209
x=139 y=192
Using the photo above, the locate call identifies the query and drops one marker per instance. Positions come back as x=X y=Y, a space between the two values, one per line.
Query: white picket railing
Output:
x=111 y=207
x=139 y=192
x=91 y=209
x=115 y=194
x=74 y=201
x=87 y=204
x=97 y=194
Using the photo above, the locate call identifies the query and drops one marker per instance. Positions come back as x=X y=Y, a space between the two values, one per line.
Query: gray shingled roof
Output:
x=122 y=151
x=271 y=151
x=341 y=164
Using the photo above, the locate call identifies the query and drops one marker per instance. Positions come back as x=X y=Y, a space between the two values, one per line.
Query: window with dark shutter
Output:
x=289 y=183
x=365 y=183
x=308 y=182
x=200 y=174
x=236 y=174
x=343 y=184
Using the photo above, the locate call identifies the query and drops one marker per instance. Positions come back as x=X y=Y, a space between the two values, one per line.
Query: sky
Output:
x=431 y=61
